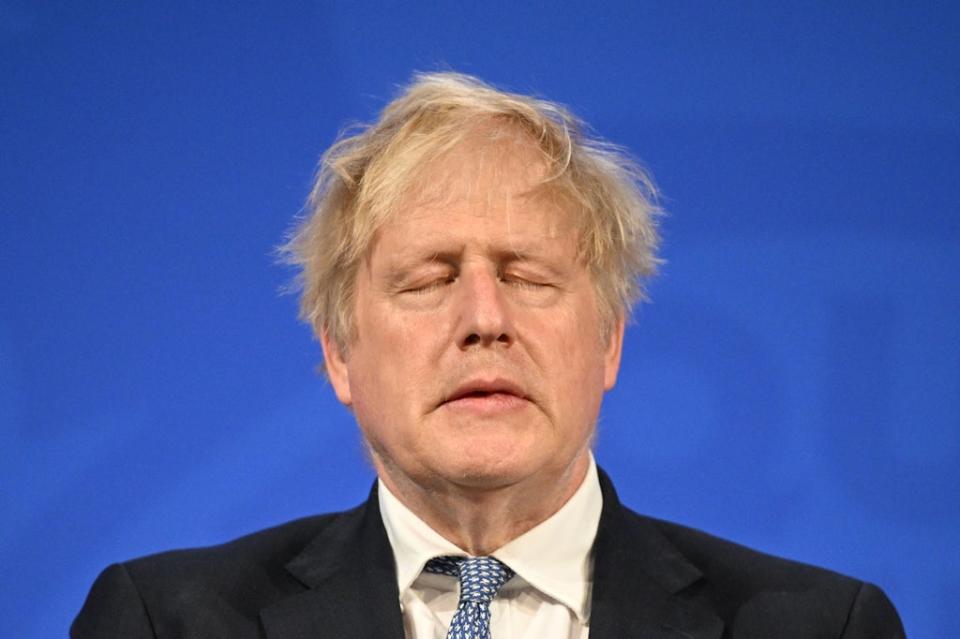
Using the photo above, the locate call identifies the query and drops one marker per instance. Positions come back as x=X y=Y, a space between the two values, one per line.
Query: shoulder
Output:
x=758 y=593
x=264 y=552
x=742 y=567
x=218 y=590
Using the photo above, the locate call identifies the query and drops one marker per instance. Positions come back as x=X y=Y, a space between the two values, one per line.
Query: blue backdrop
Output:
x=794 y=385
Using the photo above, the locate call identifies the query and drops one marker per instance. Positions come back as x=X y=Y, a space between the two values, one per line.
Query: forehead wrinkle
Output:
x=488 y=178
x=537 y=238
x=491 y=156
x=426 y=247
x=442 y=248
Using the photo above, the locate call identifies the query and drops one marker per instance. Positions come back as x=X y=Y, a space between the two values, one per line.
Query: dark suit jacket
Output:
x=333 y=576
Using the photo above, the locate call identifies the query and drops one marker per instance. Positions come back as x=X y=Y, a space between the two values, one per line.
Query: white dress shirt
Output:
x=548 y=597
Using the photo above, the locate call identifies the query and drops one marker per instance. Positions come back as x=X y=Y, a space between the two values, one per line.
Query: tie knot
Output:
x=480 y=577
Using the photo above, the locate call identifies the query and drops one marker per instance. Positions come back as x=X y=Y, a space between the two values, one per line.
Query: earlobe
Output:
x=336 y=366
x=611 y=363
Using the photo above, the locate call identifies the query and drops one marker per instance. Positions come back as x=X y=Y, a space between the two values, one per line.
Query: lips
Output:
x=490 y=395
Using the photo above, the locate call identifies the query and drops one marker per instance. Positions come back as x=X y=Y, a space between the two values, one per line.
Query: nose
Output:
x=485 y=318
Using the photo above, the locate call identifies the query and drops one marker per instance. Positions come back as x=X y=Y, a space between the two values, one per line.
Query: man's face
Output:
x=479 y=359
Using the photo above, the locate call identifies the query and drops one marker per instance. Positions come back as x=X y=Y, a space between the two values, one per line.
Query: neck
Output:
x=480 y=520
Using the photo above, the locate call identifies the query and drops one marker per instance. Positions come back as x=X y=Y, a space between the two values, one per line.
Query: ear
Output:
x=611 y=359
x=337 y=370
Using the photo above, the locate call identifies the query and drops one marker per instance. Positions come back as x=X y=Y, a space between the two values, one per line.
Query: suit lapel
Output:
x=642 y=584
x=351 y=579
x=643 y=587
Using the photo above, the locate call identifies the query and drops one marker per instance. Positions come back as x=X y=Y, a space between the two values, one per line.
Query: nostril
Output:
x=478 y=339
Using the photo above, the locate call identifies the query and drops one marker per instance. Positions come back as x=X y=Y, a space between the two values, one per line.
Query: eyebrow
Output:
x=516 y=251
x=505 y=249
x=527 y=251
x=400 y=266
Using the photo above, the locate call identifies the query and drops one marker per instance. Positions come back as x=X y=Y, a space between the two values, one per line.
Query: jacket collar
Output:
x=352 y=584
x=643 y=588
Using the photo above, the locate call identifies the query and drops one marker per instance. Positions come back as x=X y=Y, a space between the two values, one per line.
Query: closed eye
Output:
x=432 y=285
x=524 y=283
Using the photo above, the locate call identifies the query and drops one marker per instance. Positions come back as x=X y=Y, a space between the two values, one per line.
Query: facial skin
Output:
x=479 y=361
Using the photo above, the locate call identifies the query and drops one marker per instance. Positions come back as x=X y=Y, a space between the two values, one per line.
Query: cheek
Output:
x=408 y=347
x=575 y=361
x=391 y=369
x=394 y=327
x=571 y=340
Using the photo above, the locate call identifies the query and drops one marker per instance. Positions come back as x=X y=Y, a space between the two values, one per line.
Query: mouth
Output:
x=486 y=396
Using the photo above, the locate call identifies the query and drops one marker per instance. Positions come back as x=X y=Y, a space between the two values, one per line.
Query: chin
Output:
x=474 y=480
x=493 y=471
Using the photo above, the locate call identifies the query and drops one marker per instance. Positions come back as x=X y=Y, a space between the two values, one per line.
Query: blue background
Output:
x=794 y=385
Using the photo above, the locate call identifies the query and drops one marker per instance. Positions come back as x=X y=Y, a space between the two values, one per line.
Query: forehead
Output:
x=497 y=158
x=492 y=182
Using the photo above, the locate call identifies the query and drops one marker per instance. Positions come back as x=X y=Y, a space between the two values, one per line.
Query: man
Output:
x=468 y=263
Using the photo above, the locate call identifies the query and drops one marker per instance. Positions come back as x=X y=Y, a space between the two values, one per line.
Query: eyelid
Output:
x=425 y=286
x=526 y=281
x=420 y=272
x=527 y=284
x=538 y=275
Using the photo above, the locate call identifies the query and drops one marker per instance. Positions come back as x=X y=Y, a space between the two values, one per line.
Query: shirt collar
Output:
x=553 y=557
x=414 y=542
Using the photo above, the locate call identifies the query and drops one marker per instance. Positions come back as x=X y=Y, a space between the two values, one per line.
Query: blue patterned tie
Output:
x=480 y=579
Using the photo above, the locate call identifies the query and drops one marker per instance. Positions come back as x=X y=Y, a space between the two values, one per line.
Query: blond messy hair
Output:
x=365 y=174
